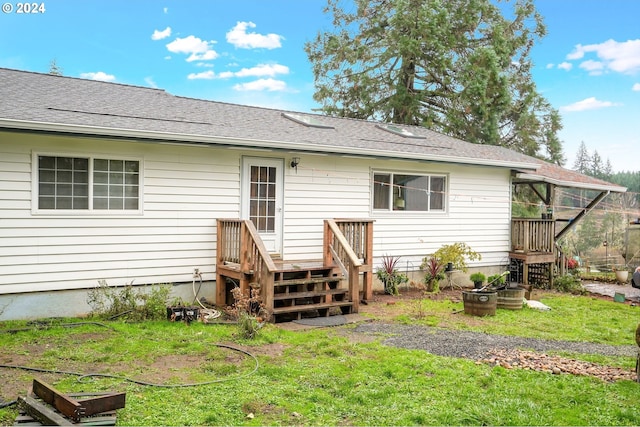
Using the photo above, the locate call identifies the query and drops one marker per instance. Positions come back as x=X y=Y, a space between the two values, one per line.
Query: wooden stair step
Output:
x=309 y=307
x=309 y=294
x=308 y=281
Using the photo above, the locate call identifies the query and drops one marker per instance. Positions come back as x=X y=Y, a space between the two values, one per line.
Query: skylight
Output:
x=397 y=130
x=306 y=121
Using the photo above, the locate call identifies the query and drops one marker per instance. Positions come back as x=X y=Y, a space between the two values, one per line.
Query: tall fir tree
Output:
x=459 y=67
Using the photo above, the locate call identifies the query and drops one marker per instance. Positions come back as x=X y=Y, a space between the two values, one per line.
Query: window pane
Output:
x=101 y=165
x=47 y=190
x=116 y=204
x=116 y=165
x=47 y=175
x=100 y=203
x=131 y=204
x=131 y=191
x=64 y=190
x=116 y=191
x=100 y=191
x=437 y=193
x=65 y=163
x=80 y=203
x=131 y=167
x=381 y=191
x=417 y=198
x=64 y=176
x=81 y=190
x=47 y=202
x=100 y=177
x=47 y=162
x=64 y=203
x=116 y=178
x=131 y=178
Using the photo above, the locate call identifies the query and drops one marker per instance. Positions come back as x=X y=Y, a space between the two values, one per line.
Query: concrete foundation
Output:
x=73 y=303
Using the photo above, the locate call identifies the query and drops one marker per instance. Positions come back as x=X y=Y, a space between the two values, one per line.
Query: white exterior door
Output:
x=262 y=194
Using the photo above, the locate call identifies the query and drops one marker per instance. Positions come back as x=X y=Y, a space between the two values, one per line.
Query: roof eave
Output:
x=196 y=139
x=572 y=184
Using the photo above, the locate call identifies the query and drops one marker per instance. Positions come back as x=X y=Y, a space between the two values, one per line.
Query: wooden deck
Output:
x=533 y=249
x=332 y=284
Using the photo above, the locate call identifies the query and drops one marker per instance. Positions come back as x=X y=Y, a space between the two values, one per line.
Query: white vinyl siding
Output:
x=186 y=188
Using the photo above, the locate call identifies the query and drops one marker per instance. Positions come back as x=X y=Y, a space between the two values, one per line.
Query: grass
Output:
x=322 y=377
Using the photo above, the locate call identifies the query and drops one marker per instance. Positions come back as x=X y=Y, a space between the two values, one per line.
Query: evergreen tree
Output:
x=458 y=67
x=596 y=165
x=582 y=163
x=54 y=68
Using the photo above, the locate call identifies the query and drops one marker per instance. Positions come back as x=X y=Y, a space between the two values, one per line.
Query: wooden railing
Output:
x=240 y=248
x=349 y=244
x=532 y=235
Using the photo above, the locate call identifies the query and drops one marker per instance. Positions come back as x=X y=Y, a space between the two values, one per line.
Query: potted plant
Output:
x=496 y=281
x=433 y=269
x=477 y=279
x=622 y=275
x=390 y=277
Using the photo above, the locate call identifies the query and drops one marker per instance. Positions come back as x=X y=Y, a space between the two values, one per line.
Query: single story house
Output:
x=105 y=181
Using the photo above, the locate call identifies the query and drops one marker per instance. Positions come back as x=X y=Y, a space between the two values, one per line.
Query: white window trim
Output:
x=403 y=212
x=35 y=188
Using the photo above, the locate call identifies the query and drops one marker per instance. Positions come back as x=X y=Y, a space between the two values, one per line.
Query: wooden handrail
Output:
x=239 y=243
x=532 y=235
x=349 y=243
x=343 y=243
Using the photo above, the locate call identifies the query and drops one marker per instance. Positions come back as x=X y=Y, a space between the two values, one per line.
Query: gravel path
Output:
x=477 y=345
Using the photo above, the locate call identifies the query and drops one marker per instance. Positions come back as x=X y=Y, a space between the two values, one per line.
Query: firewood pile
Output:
x=510 y=359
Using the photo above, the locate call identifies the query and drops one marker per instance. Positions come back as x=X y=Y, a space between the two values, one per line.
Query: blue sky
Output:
x=251 y=52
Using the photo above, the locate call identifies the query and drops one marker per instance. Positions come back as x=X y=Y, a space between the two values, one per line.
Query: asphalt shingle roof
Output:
x=120 y=110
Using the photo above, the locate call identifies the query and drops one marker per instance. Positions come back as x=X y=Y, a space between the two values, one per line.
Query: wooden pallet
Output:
x=44 y=405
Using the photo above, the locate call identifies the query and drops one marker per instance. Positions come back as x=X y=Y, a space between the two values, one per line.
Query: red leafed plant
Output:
x=389 y=275
x=434 y=273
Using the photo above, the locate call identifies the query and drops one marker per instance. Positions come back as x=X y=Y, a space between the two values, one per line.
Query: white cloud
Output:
x=587 y=104
x=198 y=50
x=270 y=85
x=165 y=10
x=149 y=81
x=239 y=37
x=261 y=70
x=549 y=66
x=226 y=74
x=620 y=57
x=578 y=53
x=636 y=87
x=101 y=76
x=565 y=66
x=159 y=35
x=593 y=67
x=205 y=75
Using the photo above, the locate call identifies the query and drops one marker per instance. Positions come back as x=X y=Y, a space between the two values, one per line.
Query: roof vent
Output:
x=306 y=121
x=397 y=130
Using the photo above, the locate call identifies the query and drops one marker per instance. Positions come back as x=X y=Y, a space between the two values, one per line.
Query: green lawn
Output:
x=327 y=377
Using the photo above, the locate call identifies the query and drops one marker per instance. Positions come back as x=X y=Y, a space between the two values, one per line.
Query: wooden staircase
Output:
x=292 y=290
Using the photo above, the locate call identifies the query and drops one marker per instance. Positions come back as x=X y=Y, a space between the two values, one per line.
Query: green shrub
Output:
x=569 y=283
x=135 y=304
